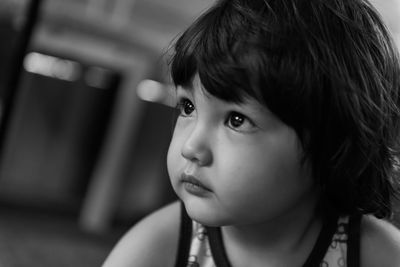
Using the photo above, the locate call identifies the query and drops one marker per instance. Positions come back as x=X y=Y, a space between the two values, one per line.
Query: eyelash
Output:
x=184 y=103
x=243 y=120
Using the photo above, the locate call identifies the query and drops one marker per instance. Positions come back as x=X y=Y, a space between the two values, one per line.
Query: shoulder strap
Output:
x=353 y=243
x=217 y=247
x=323 y=241
x=185 y=234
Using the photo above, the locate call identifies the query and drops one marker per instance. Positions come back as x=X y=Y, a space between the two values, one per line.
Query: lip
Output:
x=194 y=186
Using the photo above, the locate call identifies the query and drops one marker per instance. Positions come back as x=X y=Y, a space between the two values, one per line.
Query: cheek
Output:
x=174 y=157
x=269 y=170
x=263 y=170
x=172 y=167
x=171 y=158
x=259 y=191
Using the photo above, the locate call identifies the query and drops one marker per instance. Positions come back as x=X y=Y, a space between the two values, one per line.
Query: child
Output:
x=285 y=148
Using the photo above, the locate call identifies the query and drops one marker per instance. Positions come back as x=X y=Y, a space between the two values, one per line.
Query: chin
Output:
x=211 y=222
x=204 y=216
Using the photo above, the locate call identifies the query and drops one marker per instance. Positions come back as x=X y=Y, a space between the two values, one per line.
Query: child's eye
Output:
x=239 y=122
x=185 y=107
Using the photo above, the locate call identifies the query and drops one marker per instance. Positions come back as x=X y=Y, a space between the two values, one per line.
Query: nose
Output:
x=197 y=146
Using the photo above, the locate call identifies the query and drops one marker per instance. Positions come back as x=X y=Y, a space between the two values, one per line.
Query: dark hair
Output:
x=328 y=69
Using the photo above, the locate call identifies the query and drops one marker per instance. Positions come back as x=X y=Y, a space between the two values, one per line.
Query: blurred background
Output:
x=82 y=158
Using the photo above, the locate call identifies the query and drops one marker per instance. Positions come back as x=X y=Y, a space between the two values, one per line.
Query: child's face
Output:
x=247 y=161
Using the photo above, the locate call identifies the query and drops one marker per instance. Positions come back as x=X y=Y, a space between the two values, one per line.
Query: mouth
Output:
x=193 y=186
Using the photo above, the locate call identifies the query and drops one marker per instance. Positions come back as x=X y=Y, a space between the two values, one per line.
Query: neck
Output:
x=289 y=237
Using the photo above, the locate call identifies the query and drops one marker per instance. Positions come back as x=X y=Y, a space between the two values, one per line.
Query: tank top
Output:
x=337 y=245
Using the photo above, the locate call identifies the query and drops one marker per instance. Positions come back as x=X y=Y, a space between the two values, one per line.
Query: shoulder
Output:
x=380 y=243
x=151 y=242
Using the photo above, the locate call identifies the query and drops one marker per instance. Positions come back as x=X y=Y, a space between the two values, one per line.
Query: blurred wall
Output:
x=51 y=158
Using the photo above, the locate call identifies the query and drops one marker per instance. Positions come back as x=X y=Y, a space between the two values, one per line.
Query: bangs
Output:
x=212 y=48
